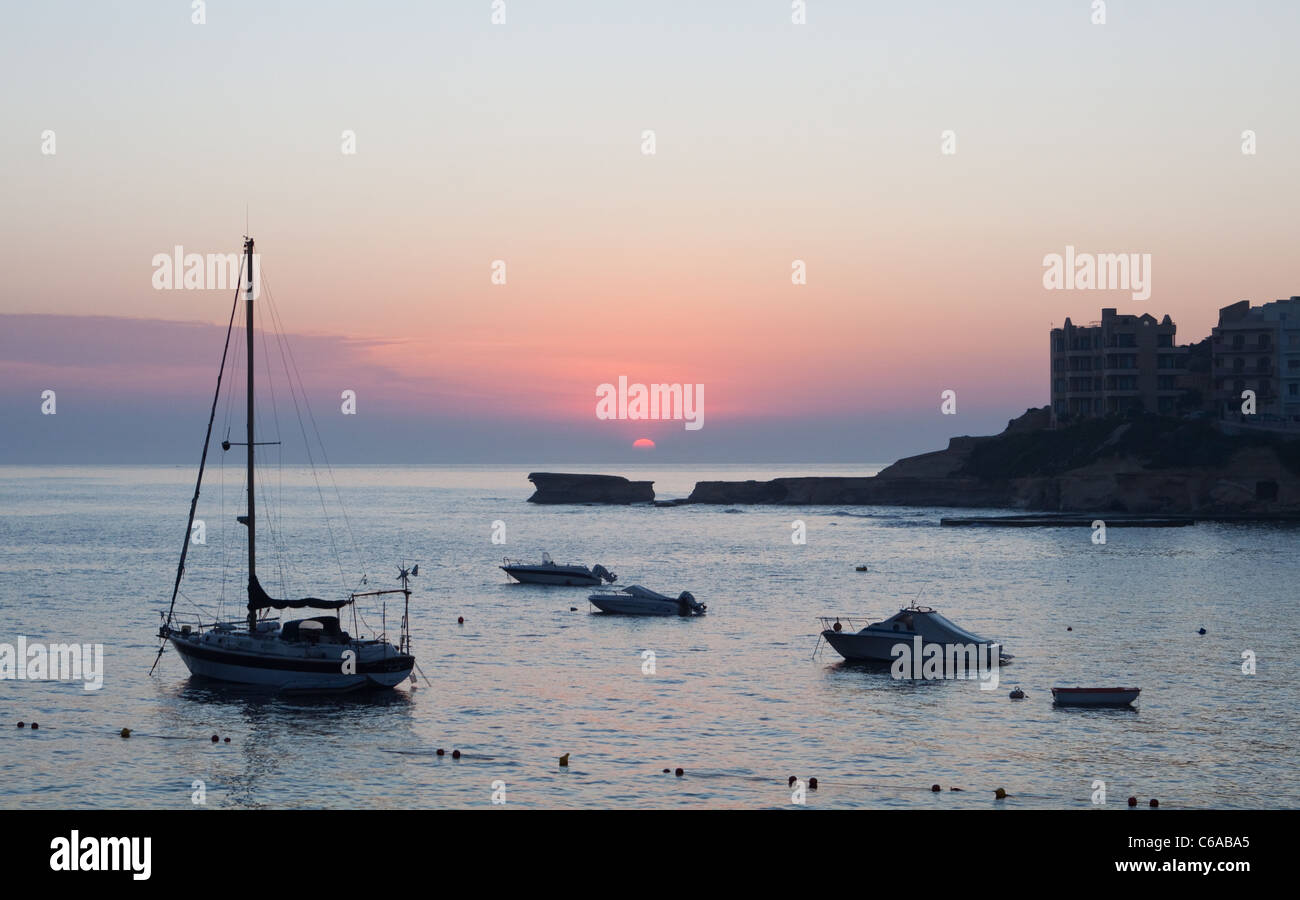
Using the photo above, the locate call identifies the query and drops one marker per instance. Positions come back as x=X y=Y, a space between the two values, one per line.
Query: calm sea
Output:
x=737 y=699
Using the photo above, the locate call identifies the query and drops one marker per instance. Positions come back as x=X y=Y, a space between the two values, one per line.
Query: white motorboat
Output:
x=876 y=642
x=550 y=572
x=1081 y=696
x=635 y=600
x=312 y=654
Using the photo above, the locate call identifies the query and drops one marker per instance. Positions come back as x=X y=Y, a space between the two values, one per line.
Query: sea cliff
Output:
x=1130 y=465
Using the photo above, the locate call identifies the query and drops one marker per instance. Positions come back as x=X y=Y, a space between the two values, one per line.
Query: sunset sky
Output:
x=522 y=142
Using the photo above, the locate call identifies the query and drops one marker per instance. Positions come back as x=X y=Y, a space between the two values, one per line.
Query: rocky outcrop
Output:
x=850 y=491
x=562 y=487
x=1148 y=465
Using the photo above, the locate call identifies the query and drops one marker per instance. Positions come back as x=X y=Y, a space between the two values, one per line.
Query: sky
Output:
x=524 y=142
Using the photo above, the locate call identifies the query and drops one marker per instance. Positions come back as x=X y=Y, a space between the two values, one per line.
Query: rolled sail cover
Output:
x=258 y=598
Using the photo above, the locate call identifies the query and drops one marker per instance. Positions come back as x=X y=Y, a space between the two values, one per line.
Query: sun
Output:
x=643 y=444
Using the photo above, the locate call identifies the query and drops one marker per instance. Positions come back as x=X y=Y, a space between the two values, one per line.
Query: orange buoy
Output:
x=935 y=788
x=455 y=754
x=679 y=773
x=1000 y=793
x=442 y=752
x=1132 y=801
x=812 y=783
x=215 y=739
x=1154 y=803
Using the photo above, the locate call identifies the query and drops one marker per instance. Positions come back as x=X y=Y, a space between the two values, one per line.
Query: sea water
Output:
x=740 y=699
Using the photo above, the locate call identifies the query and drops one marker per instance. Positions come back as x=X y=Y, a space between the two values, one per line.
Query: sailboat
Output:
x=311 y=654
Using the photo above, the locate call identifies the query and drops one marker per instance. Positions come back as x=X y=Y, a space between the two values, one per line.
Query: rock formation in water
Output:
x=561 y=487
x=1144 y=464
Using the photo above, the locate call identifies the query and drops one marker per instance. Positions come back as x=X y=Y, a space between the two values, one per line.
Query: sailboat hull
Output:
x=322 y=671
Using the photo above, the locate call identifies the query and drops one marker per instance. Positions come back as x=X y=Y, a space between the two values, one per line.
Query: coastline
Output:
x=1134 y=466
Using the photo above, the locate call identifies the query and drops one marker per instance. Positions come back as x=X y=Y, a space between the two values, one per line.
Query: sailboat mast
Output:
x=252 y=495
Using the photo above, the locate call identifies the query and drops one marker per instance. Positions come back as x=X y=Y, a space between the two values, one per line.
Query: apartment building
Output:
x=1258 y=348
x=1116 y=365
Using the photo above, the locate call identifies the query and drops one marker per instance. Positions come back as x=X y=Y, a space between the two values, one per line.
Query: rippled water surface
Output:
x=738 y=698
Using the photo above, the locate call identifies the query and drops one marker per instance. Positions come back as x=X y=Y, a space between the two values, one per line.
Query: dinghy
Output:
x=1082 y=696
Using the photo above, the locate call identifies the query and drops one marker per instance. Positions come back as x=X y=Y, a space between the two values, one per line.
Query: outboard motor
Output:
x=601 y=572
x=686 y=604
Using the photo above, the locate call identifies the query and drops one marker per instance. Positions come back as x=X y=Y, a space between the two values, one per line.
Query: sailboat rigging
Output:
x=312 y=654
